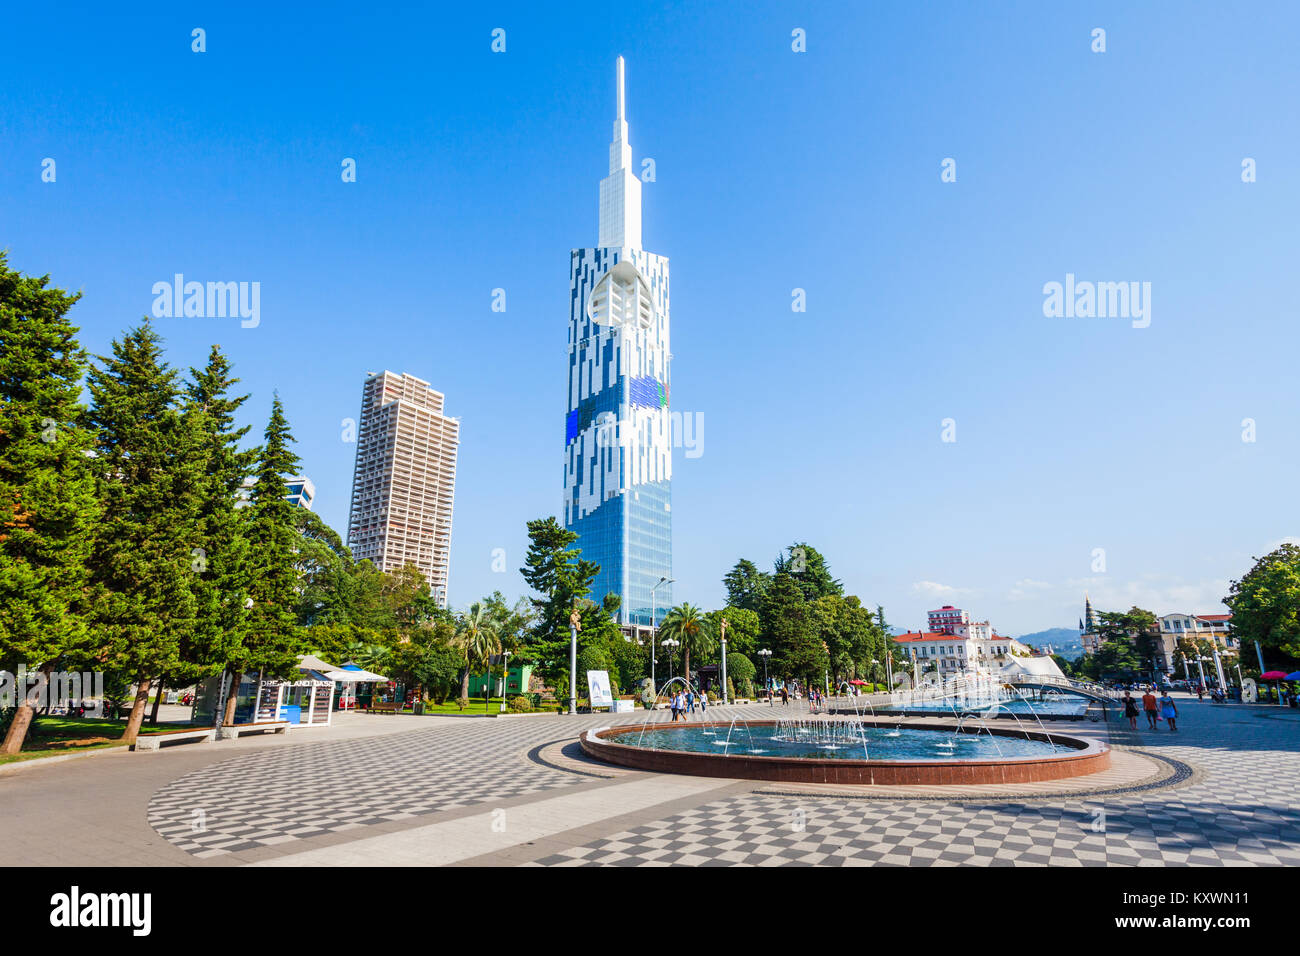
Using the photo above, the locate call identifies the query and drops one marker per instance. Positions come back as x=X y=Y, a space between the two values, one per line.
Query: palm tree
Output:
x=477 y=640
x=371 y=657
x=686 y=623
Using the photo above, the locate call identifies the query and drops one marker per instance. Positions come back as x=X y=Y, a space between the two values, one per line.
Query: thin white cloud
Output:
x=1158 y=595
x=1028 y=588
x=936 y=590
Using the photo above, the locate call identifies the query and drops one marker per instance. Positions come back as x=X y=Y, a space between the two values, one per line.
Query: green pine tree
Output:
x=558 y=572
x=788 y=629
x=746 y=585
x=47 y=492
x=220 y=568
x=810 y=571
x=150 y=470
x=270 y=642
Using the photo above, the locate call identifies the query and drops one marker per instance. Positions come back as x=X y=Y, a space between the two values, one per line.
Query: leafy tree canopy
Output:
x=1265 y=603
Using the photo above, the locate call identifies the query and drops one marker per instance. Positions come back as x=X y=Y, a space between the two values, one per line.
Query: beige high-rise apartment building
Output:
x=404 y=480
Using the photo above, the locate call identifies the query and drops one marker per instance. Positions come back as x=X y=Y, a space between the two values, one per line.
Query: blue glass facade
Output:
x=649 y=551
x=617 y=437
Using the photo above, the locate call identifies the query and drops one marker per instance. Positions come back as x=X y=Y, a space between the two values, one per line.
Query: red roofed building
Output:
x=954 y=653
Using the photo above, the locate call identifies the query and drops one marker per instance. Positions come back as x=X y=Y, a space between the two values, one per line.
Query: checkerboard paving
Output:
x=282 y=795
x=1241 y=809
x=766 y=831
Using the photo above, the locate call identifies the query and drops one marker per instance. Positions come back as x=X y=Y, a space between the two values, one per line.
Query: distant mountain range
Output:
x=1064 y=640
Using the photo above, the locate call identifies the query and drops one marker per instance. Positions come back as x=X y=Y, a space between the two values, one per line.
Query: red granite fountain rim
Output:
x=1084 y=749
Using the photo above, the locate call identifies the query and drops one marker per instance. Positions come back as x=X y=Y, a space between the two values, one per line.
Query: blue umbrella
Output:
x=1294 y=675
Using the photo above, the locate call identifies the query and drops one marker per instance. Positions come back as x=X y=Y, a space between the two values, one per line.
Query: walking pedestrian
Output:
x=1131 y=710
x=690 y=701
x=1149 y=705
x=672 y=705
x=1168 y=711
x=785 y=696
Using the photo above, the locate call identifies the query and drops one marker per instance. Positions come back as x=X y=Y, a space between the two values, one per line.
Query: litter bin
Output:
x=291 y=713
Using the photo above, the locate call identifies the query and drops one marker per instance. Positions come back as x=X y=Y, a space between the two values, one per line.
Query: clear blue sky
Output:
x=775 y=170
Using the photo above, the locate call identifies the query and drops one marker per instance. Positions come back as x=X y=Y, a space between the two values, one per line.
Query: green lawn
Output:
x=58 y=735
x=475 y=708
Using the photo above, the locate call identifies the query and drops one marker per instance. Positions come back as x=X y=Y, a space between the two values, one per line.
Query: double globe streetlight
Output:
x=672 y=644
x=767 y=683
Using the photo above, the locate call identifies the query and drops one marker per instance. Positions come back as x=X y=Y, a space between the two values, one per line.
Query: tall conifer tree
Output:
x=270 y=636
x=558 y=572
x=47 y=492
x=220 y=579
x=150 y=470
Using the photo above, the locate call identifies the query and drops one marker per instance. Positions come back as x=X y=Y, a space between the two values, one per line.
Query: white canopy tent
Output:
x=342 y=676
x=1031 y=667
x=347 y=678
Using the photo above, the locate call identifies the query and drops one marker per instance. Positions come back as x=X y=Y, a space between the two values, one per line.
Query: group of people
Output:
x=1215 y=693
x=816 y=699
x=1155 y=708
x=683 y=703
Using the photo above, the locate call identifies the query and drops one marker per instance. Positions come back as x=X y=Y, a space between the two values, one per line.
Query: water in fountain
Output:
x=969 y=695
x=978 y=694
x=857 y=715
x=687 y=685
x=822 y=732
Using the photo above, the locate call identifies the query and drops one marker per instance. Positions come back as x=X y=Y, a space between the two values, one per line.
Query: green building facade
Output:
x=517 y=678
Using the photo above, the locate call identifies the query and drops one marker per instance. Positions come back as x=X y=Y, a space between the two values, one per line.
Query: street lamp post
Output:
x=1201 y=667
x=654 y=636
x=767 y=682
x=505 y=678
x=724 y=662
x=575 y=625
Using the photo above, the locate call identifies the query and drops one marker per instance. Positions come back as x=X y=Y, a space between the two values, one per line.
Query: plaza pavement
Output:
x=394 y=790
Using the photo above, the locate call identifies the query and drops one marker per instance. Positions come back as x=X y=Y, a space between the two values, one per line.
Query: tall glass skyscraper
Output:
x=618 y=440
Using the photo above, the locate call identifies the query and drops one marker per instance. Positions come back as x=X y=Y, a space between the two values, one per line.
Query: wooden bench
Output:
x=235 y=731
x=386 y=707
x=146 y=742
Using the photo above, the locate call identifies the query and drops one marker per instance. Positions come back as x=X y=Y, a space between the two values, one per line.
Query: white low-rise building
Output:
x=1194 y=627
x=957 y=653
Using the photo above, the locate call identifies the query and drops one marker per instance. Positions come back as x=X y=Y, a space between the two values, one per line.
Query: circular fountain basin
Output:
x=920 y=754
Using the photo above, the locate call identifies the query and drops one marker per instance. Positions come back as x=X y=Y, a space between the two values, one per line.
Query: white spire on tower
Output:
x=620 y=191
x=620 y=89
